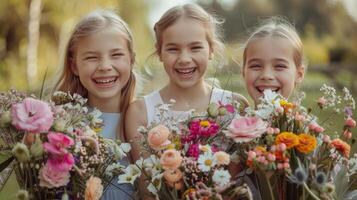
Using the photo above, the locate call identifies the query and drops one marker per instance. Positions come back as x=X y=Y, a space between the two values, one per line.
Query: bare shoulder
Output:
x=134 y=118
x=136 y=112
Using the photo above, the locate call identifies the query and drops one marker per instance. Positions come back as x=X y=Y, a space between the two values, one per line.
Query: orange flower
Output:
x=158 y=137
x=307 y=143
x=94 y=189
x=342 y=147
x=173 y=175
x=288 y=138
x=170 y=159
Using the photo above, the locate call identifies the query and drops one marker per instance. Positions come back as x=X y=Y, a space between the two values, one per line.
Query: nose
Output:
x=105 y=64
x=184 y=57
x=267 y=74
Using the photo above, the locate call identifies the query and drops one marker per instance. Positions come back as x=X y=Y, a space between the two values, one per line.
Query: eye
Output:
x=196 y=48
x=91 y=58
x=116 y=55
x=281 y=67
x=172 y=49
x=255 y=66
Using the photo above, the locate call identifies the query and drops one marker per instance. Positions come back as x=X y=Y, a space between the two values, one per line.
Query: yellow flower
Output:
x=286 y=105
x=97 y=129
x=205 y=123
x=260 y=149
x=288 y=138
x=307 y=143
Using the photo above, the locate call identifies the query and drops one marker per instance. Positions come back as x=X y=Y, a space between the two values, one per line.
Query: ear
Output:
x=74 y=68
x=300 y=73
x=211 y=53
x=157 y=51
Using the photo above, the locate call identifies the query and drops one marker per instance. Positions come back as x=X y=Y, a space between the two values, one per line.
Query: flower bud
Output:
x=5 y=119
x=347 y=134
x=36 y=148
x=350 y=122
x=270 y=130
x=213 y=110
x=21 y=152
x=22 y=195
x=59 y=125
x=222 y=111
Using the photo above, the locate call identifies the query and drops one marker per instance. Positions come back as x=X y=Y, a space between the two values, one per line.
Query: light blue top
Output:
x=115 y=191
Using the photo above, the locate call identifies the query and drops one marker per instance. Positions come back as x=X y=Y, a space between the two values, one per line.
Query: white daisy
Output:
x=206 y=161
x=221 y=177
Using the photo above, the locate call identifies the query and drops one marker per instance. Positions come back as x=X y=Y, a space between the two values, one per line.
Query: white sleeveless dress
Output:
x=153 y=99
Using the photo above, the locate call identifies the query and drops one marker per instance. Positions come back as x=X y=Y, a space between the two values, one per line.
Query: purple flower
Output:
x=32 y=115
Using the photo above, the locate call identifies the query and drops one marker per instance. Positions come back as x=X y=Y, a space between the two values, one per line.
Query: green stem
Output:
x=310 y=192
x=269 y=187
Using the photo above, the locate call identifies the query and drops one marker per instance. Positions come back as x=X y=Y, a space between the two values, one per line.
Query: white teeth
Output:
x=274 y=89
x=105 y=81
x=186 y=71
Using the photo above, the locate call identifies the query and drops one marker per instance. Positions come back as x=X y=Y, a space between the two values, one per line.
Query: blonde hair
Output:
x=90 y=24
x=278 y=27
x=192 y=11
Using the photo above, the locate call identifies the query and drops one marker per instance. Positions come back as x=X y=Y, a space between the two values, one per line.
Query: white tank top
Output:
x=153 y=99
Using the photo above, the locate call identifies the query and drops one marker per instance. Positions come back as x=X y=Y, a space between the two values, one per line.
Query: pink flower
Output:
x=315 y=127
x=57 y=143
x=61 y=163
x=52 y=178
x=203 y=128
x=321 y=102
x=193 y=151
x=229 y=107
x=32 y=115
x=350 y=122
x=246 y=128
x=347 y=134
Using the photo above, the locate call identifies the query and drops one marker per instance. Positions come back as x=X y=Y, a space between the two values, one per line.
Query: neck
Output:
x=196 y=97
x=109 y=105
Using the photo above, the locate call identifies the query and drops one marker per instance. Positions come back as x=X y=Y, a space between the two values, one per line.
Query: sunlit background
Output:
x=328 y=29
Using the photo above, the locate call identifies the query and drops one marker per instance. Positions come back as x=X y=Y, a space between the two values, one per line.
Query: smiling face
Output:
x=102 y=62
x=269 y=64
x=185 y=52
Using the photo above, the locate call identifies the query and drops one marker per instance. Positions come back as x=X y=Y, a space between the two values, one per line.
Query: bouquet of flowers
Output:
x=183 y=158
x=58 y=152
x=290 y=151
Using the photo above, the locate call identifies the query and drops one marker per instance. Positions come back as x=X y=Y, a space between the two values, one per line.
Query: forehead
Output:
x=184 y=30
x=271 y=48
x=107 y=38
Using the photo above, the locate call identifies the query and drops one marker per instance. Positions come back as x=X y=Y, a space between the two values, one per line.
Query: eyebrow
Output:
x=281 y=60
x=116 y=49
x=192 y=43
x=253 y=60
